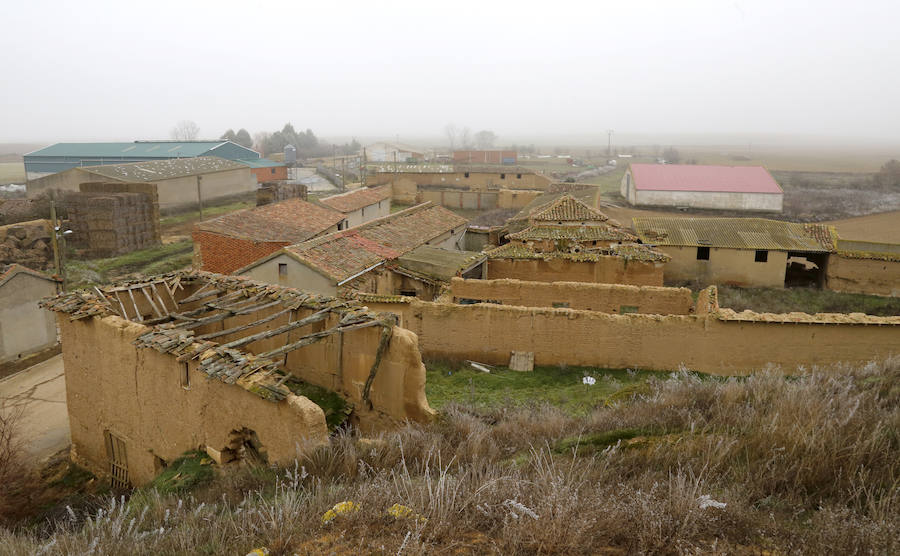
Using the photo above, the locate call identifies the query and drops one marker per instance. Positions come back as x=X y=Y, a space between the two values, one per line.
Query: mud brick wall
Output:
x=113 y=219
x=28 y=244
x=863 y=275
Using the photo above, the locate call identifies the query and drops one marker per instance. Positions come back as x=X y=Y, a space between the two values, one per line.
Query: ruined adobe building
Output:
x=197 y=360
x=468 y=188
x=864 y=267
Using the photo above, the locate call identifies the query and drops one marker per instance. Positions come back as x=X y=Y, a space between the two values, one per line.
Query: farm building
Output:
x=265 y=169
x=864 y=267
x=24 y=327
x=361 y=205
x=485 y=157
x=179 y=182
x=750 y=188
x=239 y=369
x=392 y=152
x=356 y=255
x=234 y=240
x=63 y=156
x=740 y=251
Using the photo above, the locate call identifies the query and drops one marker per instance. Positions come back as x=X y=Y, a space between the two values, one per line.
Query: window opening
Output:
x=703 y=253
x=282 y=270
x=185 y=376
x=762 y=256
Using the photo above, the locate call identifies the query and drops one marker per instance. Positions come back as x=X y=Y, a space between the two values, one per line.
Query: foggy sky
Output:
x=122 y=70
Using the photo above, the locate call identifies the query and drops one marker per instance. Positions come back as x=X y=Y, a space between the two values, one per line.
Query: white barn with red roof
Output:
x=750 y=188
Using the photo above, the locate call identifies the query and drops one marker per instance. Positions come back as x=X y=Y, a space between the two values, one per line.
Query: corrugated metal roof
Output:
x=147 y=149
x=155 y=170
x=735 y=233
x=703 y=178
x=259 y=162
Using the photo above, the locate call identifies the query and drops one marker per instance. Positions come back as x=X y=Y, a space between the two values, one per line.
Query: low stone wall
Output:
x=605 y=298
x=856 y=274
x=720 y=342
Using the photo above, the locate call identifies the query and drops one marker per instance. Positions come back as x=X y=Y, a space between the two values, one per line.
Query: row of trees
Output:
x=464 y=139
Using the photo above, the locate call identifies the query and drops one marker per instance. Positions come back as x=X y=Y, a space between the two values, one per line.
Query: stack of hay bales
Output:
x=110 y=219
x=275 y=191
x=28 y=244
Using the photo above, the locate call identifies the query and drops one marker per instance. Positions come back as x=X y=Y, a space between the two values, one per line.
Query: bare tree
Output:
x=465 y=138
x=451 y=131
x=484 y=139
x=185 y=130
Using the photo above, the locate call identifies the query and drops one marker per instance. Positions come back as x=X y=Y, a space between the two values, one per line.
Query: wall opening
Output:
x=185 y=376
x=761 y=256
x=625 y=309
x=805 y=270
x=117 y=457
x=244 y=445
x=282 y=270
x=703 y=253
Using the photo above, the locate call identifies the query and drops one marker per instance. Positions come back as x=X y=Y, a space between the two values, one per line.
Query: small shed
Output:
x=25 y=328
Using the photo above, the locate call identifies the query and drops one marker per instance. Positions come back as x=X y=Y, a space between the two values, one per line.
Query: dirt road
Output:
x=40 y=393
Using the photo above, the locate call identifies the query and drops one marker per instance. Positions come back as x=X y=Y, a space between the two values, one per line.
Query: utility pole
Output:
x=343 y=158
x=363 y=168
x=54 y=242
x=609 y=133
x=200 y=196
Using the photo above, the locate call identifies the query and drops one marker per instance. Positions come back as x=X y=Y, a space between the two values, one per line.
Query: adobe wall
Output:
x=733 y=267
x=516 y=198
x=710 y=344
x=608 y=270
x=872 y=276
x=137 y=394
x=475 y=181
x=605 y=298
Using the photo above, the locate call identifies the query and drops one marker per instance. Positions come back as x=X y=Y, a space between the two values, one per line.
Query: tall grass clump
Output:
x=763 y=464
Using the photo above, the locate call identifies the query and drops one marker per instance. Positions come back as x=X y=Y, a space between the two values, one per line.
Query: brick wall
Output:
x=269 y=174
x=223 y=254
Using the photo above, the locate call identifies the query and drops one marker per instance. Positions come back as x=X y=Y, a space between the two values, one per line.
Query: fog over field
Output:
x=710 y=72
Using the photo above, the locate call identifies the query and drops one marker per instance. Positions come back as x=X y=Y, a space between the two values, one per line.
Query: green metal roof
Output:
x=259 y=162
x=148 y=149
x=154 y=170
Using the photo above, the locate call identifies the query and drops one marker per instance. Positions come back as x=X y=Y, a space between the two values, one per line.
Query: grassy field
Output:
x=12 y=172
x=806 y=300
x=758 y=465
x=155 y=260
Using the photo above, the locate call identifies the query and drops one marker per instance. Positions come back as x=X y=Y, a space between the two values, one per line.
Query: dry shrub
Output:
x=805 y=464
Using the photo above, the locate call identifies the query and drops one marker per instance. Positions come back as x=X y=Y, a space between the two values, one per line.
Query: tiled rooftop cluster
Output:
x=293 y=221
x=357 y=199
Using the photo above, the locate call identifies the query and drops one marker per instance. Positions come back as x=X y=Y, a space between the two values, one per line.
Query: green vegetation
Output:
x=448 y=383
x=212 y=211
x=336 y=408
x=155 y=260
x=805 y=300
x=190 y=471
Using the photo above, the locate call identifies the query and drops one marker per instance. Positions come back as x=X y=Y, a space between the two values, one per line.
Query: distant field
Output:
x=883 y=227
x=12 y=172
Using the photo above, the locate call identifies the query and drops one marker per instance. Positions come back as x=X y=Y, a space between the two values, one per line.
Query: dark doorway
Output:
x=805 y=270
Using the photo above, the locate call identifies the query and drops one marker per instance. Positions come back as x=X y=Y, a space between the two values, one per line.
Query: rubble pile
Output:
x=28 y=244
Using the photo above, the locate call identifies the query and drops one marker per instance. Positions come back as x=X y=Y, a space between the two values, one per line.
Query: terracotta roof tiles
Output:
x=357 y=199
x=293 y=220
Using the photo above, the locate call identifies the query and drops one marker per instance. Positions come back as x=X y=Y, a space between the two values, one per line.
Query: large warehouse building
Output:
x=64 y=156
x=749 y=188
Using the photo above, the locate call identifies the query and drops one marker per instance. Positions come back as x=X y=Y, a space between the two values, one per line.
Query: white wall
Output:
x=371 y=212
x=25 y=328
x=770 y=202
x=298 y=276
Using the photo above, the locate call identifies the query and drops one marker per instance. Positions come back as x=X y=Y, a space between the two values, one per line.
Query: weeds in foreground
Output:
x=808 y=464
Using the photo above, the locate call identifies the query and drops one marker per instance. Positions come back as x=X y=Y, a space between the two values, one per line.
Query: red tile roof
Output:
x=344 y=254
x=357 y=199
x=293 y=221
x=568 y=208
x=689 y=177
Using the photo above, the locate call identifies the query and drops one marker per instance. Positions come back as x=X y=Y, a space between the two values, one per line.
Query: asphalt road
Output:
x=39 y=392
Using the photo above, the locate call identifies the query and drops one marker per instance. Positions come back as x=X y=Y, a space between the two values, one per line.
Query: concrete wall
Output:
x=766 y=202
x=25 y=328
x=172 y=192
x=606 y=298
x=733 y=267
x=857 y=275
x=608 y=270
x=489 y=333
x=137 y=395
x=371 y=212
x=298 y=276
x=475 y=181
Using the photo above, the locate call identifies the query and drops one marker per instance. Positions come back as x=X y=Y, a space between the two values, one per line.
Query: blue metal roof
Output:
x=143 y=149
x=259 y=162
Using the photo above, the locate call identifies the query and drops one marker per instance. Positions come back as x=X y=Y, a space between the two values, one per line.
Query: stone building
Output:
x=24 y=328
x=749 y=188
x=180 y=182
x=740 y=251
x=326 y=264
x=230 y=366
x=236 y=239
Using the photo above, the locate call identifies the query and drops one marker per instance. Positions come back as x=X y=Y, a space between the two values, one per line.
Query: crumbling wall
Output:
x=607 y=270
x=273 y=192
x=606 y=298
x=28 y=244
x=137 y=394
x=863 y=275
x=110 y=219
